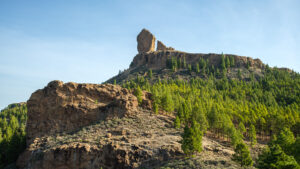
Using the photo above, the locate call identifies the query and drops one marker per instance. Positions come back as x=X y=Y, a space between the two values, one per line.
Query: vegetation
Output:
x=231 y=109
x=12 y=133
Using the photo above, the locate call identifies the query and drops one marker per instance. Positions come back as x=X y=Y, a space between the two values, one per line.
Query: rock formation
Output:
x=146 y=41
x=66 y=107
x=161 y=46
x=157 y=60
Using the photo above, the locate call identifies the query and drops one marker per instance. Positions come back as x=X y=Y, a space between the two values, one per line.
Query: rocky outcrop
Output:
x=161 y=46
x=65 y=107
x=158 y=59
x=146 y=41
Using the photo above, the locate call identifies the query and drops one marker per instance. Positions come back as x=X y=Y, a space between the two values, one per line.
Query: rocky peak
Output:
x=146 y=41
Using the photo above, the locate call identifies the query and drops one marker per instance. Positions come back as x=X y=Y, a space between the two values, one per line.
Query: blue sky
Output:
x=90 y=41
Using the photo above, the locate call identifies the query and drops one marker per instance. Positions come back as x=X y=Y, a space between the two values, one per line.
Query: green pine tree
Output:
x=177 y=122
x=252 y=135
x=242 y=155
x=138 y=93
x=150 y=73
x=192 y=139
x=274 y=158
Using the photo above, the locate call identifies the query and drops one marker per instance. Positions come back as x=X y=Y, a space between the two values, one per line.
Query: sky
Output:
x=90 y=41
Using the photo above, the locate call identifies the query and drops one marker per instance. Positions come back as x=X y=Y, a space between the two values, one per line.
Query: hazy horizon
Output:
x=90 y=41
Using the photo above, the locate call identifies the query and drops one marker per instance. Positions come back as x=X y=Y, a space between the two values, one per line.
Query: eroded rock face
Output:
x=65 y=107
x=146 y=41
x=158 y=59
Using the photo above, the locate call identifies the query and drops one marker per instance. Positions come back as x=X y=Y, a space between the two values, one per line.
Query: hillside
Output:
x=169 y=109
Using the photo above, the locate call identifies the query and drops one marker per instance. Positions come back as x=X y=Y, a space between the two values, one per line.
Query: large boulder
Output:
x=65 y=107
x=146 y=41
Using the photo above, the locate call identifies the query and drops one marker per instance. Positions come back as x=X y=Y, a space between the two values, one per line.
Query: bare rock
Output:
x=161 y=46
x=158 y=59
x=146 y=41
x=65 y=107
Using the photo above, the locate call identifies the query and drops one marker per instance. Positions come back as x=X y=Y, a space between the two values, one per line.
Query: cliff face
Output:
x=158 y=59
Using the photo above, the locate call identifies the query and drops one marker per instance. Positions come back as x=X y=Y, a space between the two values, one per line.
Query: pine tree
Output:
x=223 y=64
x=232 y=61
x=138 y=93
x=184 y=62
x=242 y=155
x=252 y=135
x=241 y=128
x=192 y=139
x=155 y=108
x=167 y=102
x=197 y=68
x=227 y=62
x=274 y=157
x=177 y=122
x=285 y=140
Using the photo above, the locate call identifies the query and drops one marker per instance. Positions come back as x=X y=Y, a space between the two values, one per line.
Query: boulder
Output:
x=65 y=107
x=146 y=41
